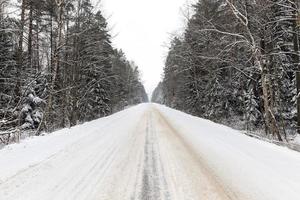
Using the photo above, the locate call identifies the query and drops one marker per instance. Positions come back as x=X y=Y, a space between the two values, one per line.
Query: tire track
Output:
x=145 y=159
x=154 y=186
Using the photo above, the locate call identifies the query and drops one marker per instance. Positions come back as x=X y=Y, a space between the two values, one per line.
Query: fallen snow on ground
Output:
x=148 y=152
x=296 y=140
x=248 y=167
x=15 y=158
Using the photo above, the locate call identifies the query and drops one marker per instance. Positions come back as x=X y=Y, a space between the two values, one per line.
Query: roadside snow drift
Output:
x=247 y=167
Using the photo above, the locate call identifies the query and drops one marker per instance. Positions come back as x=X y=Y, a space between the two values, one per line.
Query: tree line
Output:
x=238 y=61
x=58 y=67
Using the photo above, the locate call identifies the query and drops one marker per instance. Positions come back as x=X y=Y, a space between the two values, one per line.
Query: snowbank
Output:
x=15 y=158
x=250 y=168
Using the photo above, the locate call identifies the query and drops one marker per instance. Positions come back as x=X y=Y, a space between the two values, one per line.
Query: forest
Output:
x=223 y=122
x=58 y=68
x=237 y=63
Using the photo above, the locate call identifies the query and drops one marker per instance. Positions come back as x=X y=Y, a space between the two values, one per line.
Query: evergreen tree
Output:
x=236 y=61
x=62 y=70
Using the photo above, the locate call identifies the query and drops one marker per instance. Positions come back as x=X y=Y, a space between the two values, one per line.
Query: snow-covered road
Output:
x=148 y=152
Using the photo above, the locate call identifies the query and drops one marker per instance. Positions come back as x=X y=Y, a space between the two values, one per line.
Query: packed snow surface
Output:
x=148 y=152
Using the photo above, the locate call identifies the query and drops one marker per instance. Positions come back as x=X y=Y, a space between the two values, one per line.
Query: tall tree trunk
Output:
x=75 y=78
x=66 y=80
x=18 y=93
x=51 y=43
x=55 y=71
x=20 y=52
x=297 y=59
x=30 y=35
x=37 y=63
x=270 y=119
x=75 y=70
x=261 y=62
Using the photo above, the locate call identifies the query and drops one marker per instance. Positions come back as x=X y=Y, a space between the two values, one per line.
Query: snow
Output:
x=26 y=125
x=37 y=100
x=296 y=140
x=148 y=152
x=251 y=168
x=26 y=108
x=17 y=157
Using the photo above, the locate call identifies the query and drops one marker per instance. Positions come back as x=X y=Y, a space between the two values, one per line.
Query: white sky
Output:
x=142 y=29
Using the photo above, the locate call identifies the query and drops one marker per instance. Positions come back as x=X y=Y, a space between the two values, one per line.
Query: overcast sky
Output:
x=142 y=28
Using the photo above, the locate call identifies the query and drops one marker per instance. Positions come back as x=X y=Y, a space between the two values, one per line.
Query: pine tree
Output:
x=63 y=66
x=8 y=72
x=237 y=61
